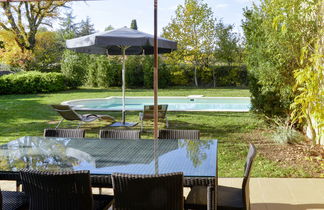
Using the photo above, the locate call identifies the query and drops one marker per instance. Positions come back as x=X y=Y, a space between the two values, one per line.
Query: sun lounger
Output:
x=69 y=114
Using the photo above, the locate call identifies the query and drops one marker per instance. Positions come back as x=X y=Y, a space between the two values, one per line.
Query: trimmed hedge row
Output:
x=34 y=82
x=220 y=76
x=100 y=71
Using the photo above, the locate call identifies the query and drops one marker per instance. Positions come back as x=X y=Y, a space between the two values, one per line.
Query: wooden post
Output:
x=156 y=75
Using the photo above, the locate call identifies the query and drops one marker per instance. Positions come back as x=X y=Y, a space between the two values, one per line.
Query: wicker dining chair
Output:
x=179 y=134
x=120 y=134
x=64 y=133
x=147 y=192
x=13 y=200
x=229 y=198
x=66 y=190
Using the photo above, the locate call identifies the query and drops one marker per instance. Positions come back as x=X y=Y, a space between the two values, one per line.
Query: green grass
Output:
x=23 y=115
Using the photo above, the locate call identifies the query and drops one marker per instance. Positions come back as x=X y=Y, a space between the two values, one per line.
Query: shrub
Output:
x=224 y=75
x=109 y=71
x=134 y=71
x=92 y=73
x=231 y=75
x=285 y=132
x=179 y=74
x=74 y=66
x=287 y=135
x=148 y=69
x=34 y=82
x=266 y=101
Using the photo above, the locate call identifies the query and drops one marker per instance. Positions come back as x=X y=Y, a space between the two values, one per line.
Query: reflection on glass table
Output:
x=195 y=158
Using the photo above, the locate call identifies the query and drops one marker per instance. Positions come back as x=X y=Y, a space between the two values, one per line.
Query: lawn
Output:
x=23 y=115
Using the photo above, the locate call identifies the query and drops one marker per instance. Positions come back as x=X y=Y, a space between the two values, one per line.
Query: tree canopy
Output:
x=227 y=44
x=86 y=27
x=21 y=21
x=68 y=27
x=134 y=25
x=24 y=18
x=284 y=60
x=193 y=27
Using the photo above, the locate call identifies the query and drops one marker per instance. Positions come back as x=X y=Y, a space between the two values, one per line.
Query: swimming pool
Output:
x=192 y=104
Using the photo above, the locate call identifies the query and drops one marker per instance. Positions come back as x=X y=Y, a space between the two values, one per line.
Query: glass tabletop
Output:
x=103 y=156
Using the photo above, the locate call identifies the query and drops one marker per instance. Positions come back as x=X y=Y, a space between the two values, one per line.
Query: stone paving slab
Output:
x=283 y=193
x=266 y=193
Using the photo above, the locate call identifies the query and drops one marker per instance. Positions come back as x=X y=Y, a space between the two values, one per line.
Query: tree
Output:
x=24 y=18
x=11 y=54
x=108 y=28
x=48 y=51
x=227 y=49
x=193 y=27
x=22 y=21
x=68 y=28
x=134 y=25
x=86 y=27
x=283 y=42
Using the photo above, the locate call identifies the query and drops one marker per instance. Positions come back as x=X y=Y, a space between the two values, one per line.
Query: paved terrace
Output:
x=268 y=193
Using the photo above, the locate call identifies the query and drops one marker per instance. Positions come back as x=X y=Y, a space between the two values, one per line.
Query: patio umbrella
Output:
x=123 y=41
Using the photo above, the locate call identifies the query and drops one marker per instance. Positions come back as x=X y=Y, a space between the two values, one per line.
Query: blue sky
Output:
x=120 y=13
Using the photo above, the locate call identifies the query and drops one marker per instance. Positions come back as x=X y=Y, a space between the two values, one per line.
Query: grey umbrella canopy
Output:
x=123 y=41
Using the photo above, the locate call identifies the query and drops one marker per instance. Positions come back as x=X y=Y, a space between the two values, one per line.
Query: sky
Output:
x=120 y=13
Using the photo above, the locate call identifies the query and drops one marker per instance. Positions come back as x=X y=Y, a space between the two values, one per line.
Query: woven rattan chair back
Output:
x=64 y=133
x=147 y=192
x=148 y=113
x=69 y=190
x=66 y=112
x=247 y=171
x=179 y=134
x=120 y=134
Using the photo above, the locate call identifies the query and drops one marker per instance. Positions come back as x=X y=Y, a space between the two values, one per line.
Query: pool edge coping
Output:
x=146 y=97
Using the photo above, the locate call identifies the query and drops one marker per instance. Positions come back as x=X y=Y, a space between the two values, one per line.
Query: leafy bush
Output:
x=134 y=71
x=74 y=66
x=103 y=71
x=231 y=75
x=34 y=82
x=287 y=135
x=148 y=69
x=266 y=102
x=92 y=73
x=109 y=71
x=179 y=74
x=285 y=132
x=224 y=75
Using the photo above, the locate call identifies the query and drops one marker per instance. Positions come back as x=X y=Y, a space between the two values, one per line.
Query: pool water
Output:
x=235 y=104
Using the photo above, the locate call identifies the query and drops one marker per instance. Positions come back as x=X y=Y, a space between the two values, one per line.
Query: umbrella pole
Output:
x=156 y=76
x=123 y=86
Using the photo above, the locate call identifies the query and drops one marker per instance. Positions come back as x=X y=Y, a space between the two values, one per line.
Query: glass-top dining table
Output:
x=197 y=159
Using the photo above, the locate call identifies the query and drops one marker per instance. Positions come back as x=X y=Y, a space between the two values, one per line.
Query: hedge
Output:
x=234 y=76
x=34 y=82
x=103 y=71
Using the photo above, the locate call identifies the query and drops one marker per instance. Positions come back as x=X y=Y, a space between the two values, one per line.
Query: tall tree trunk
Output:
x=196 y=81
x=214 y=78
